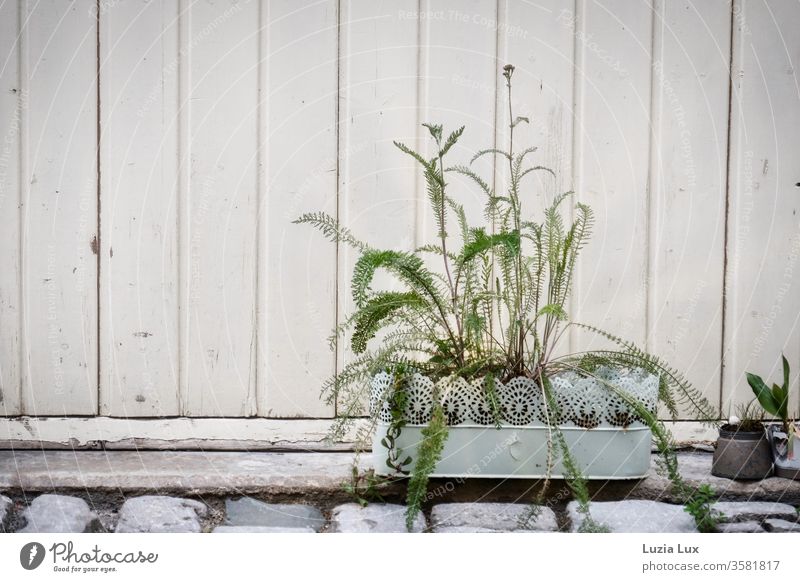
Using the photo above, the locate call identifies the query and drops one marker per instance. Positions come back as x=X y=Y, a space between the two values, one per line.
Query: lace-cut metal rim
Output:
x=582 y=402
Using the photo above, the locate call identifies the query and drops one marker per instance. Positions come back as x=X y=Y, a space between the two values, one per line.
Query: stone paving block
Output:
x=498 y=517
x=781 y=526
x=261 y=529
x=635 y=516
x=755 y=510
x=157 y=513
x=5 y=506
x=58 y=514
x=374 y=518
x=461 y=529
x=252 y=512
x=741 y=527
x=107 y=518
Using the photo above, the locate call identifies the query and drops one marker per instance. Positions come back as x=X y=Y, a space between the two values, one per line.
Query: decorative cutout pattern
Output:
x=583 y=402
x=419 y=403
x=379 y=396
x=520 y=400
x=456 y=403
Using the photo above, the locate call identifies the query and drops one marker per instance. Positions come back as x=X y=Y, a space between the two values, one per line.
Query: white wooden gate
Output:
x=154 y=153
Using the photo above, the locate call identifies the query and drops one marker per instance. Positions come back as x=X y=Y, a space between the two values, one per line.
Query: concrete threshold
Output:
x=188 y=472
x=299 y=474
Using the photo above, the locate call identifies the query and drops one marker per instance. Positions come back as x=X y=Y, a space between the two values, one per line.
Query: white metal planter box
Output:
x=521 y=452
x=605 y=437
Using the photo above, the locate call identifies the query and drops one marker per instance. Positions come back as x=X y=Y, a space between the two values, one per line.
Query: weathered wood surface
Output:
x=211 y=434
x=139 y=277
x=688 y=171
x=168 y=433
x=59 y=241
x=220 y=123
x=763 y=302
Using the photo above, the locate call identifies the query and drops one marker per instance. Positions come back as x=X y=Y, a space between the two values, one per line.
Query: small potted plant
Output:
x=466 y=378
x=782 y=437
x=742 y=451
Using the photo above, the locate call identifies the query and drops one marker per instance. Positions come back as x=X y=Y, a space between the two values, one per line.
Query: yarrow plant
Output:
x=489 y=302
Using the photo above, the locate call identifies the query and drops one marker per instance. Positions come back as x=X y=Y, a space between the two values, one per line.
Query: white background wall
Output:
x=158 y=274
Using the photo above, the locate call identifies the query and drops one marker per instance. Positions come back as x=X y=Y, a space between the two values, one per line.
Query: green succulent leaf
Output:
x=781 y=398
x=763 y=394
x=785 y=374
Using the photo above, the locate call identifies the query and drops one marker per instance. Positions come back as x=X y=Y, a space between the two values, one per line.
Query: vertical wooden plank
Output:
x=377 y=104
x=13 y=105
x=763 y=303
x=687 y=182
x=538 y=40
x=184 y=182
x=220 y=213
x=613 y=44
x=459 y=78
x=60 y=210
x=298 y=277
x=139 y=173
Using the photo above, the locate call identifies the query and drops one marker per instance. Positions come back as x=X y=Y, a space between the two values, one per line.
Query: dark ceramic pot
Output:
x=742 y=455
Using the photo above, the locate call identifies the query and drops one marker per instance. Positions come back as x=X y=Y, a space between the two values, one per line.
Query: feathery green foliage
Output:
x=430 y=450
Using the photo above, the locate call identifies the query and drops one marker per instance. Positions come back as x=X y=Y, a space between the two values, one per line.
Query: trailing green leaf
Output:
x=330 y=228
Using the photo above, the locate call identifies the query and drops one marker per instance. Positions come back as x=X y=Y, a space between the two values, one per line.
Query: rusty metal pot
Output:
x=742 y=455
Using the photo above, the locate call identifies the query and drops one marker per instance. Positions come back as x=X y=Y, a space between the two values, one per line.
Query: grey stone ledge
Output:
x=268 y=473
x=696 y=470
x=181 y=472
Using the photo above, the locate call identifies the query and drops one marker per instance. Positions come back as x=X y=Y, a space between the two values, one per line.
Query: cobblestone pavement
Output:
x=159 y=513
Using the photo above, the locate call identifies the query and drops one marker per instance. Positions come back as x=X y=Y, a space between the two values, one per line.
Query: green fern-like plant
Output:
x=434 y=436
x=481 y=301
